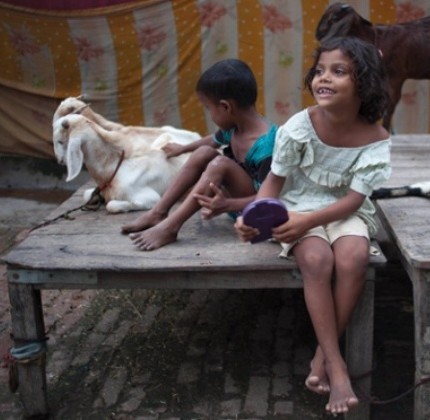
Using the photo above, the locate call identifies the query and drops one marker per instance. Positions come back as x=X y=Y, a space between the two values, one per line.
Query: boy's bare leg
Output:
x=218 y=172
x=352 y=257
x=316 y=261
x=187 y=177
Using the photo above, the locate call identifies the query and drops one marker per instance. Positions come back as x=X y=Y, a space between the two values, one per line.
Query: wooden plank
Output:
x=28 y=326
x=421 y=281
x=406 y=220
x=359 y=348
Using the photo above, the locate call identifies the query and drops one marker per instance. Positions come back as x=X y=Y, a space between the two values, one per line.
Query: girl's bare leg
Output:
x=220 y=171
x=187 y=177
x=316 y=260
x=351 y=261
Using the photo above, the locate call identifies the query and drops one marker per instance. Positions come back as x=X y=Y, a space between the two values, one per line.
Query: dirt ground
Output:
x=192 y=354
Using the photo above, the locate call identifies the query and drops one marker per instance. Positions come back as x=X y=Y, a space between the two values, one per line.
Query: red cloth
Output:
x=64 y=4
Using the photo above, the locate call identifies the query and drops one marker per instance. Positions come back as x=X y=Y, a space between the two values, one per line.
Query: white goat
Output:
x=128 y=167
x=77 y=105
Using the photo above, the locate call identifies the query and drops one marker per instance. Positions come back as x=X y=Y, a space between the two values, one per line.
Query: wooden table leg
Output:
x=359 y=348
x=421 y=290
x=27 y=327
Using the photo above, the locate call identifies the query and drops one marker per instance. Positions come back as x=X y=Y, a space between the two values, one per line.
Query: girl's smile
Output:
x=333 y=78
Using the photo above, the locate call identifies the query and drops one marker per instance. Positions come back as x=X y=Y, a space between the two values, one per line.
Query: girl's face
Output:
x=219 y=111
x=333 y=83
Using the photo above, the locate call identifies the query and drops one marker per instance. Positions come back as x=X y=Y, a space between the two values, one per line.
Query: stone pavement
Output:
x=183 y=355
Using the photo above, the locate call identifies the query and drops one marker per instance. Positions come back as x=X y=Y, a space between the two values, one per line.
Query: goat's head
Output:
x=341 y=19
x=75 y=135
x=71 y=105
x=60 y=139
x=69 y=132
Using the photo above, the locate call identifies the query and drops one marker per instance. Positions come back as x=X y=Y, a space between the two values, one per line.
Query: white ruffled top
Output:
x=317 y=174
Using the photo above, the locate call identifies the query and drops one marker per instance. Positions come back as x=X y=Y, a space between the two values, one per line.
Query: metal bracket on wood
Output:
x=54 y=277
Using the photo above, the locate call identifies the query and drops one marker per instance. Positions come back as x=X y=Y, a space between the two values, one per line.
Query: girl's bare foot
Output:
x=317 y=384
x=317 y=380
x=145 y=221
x=153 y=238
x=342 y=397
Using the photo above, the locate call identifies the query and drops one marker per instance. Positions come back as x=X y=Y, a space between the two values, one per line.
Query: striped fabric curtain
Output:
x=138 y=62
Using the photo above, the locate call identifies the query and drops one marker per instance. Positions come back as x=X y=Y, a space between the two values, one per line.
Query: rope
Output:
x=94 y=202
x=376 y=401
x=29 y=353
x=64 y=215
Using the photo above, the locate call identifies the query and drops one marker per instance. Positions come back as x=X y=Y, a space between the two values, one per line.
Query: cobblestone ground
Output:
x=182 y=355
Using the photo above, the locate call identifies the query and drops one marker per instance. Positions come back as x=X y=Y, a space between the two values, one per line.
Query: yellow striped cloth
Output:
x=138 y=62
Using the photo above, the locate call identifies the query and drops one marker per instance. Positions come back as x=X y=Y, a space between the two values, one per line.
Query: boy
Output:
x=220 y=182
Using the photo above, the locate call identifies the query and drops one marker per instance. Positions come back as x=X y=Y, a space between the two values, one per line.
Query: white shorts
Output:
x=353 y=225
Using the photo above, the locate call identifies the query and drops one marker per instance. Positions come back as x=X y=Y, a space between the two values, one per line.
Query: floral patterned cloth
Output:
x=138 y=62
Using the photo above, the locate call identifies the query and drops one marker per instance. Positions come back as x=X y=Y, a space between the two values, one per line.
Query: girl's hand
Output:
x=293 y=229
x=172 y=149
x=245 y=233
x=212 y=205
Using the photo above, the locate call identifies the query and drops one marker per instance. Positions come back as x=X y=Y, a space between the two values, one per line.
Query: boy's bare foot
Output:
x=153 y=238
x=342 y=397
x=145 y=221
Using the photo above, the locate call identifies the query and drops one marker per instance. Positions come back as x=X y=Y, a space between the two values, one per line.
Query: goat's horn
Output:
x=81 y=97
x=79 y=110
x=65 y=124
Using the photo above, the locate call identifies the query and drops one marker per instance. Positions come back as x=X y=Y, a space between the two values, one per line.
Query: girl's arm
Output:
x=270 y=188
x=175 y=149
x=300 y=223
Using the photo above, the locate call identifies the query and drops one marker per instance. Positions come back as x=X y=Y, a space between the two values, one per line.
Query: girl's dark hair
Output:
x=229 y=79
x=368 y=74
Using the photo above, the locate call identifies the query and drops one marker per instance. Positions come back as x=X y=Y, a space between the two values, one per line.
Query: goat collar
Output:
x=107 y=183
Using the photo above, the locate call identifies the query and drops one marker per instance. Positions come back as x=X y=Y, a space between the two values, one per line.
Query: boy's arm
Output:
x=176 y=149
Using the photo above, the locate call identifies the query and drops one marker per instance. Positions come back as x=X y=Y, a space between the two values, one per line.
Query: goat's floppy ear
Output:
x=74 y=158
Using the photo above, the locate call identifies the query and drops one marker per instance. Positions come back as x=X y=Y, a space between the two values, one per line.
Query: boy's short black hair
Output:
x=229 y=79
x=369 y=73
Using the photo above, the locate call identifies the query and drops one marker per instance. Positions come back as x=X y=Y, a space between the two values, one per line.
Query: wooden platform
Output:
x=88 y=251
x=407 y=223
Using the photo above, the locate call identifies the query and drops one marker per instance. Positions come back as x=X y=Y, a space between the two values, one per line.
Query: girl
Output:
x=327 y=160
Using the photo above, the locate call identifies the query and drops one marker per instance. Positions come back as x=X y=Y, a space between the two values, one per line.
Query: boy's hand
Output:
x=172 y=149
x=214 y=205
x=245 y=233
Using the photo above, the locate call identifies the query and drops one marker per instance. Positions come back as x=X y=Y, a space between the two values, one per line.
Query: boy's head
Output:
x=229 y=79
x=368 y=73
